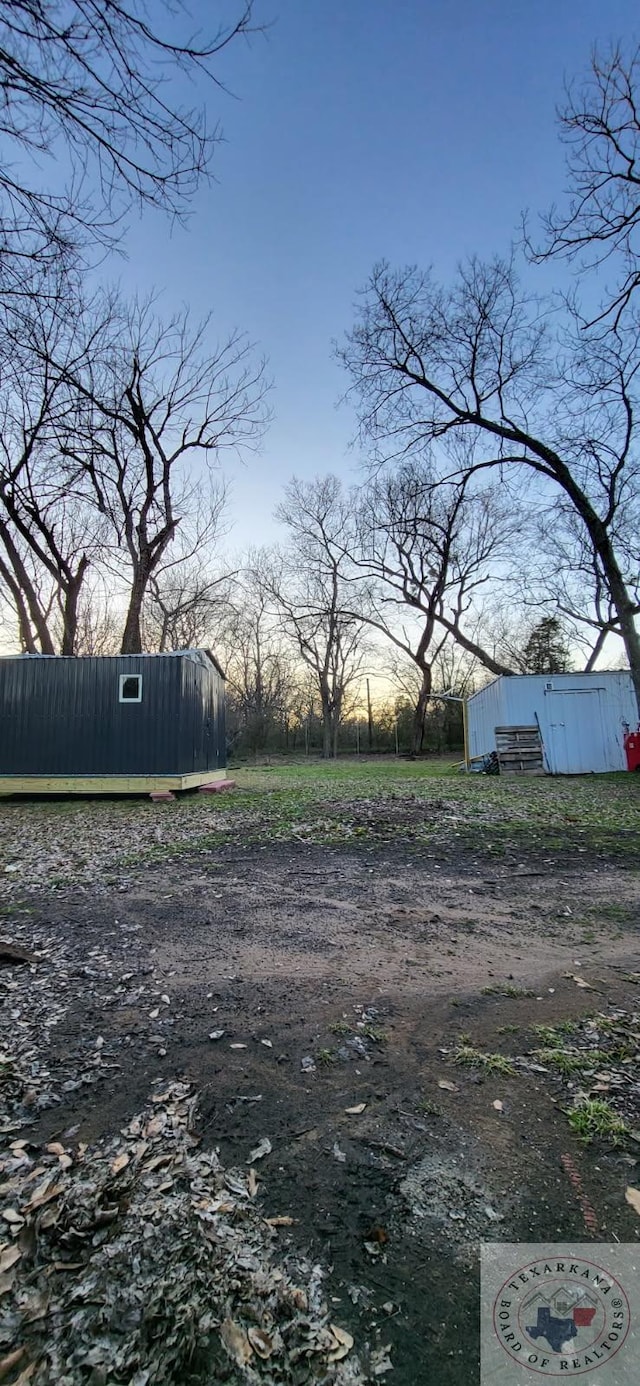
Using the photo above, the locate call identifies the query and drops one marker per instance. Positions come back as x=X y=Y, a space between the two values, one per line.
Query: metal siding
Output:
x=485 y=712
x=62 y=716
x=201 y=698
x=585 y=735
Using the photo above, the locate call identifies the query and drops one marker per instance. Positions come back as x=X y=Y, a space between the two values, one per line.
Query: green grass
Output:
x=593 y=1117
x=552 y=1036
x=572 y=1061
x=325 y=1057
x=475 y=1058
x=378 y=1036
x=359 y=803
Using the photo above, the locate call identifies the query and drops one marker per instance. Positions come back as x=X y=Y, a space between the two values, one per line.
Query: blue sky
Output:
x=412 y=130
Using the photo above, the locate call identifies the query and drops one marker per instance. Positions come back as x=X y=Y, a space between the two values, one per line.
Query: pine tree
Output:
x=547 y=649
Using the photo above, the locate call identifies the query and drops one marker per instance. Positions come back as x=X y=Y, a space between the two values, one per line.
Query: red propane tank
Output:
x=632 y=750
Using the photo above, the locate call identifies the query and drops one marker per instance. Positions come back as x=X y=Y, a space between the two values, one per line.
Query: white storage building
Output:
x=582 y=718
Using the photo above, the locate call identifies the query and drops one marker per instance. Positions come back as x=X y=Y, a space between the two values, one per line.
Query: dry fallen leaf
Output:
x=263 y=1148
x=252 y=1183
x=236 y=1342
x=12 y=1216
x=633 y=1199
x=156 y=1125
x=260 y=1342
x=356 y=1111
x=498 y=1105
x=43 y=1195
x=446 y=1084
x=8 y=1363
x=156 y=1162
x=237 y=1046
x=120 y=1162
x=283 y=1221
x=267 y=1044
x=579 y=981
x=26 y=1375
x=344 y=1343
x=8 y=1258
x=55 y=1148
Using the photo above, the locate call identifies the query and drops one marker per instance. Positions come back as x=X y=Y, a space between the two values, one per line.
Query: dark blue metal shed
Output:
x=110 y=722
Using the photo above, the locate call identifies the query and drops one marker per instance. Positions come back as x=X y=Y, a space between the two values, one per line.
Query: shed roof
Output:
x=198 y=656
x=570 y=676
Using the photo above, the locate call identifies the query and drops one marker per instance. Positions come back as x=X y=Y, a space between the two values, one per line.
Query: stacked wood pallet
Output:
x=519 y=750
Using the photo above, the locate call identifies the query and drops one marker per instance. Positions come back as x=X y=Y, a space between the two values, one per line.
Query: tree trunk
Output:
x=132 y=635
x=420 y=712
x=628 y=629
x=28 y=593
x=70 y=620
x=27 y=641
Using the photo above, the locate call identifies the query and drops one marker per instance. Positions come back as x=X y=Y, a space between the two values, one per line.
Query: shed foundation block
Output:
x=216 y=786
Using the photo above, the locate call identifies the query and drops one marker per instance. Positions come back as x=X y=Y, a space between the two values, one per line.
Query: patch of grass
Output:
x=340 y=1027
x=325 y=1057
x=552 y=1036
x=506 y=989
x=573 y=1061
x=378 y=1036
x=611 y=911
x=594 y=1117
x=429 y=1108
x=508 y=1029
x=548 y=1034
x=493 y=1063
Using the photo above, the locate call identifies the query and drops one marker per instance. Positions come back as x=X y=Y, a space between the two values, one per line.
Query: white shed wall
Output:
x=582 y=717
x=485 y=712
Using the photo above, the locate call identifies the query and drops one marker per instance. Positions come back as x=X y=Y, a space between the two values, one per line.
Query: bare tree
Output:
x=189 y=592
x=98 y=618
x=474 y=367
x=92 y=86
x=310 y=587
x=427 y=549
x=158 y=410
x=261 y=679
x=600 y=220
x=48 y=534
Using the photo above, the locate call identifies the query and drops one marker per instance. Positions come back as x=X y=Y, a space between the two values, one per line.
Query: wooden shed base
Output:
x=104 y=784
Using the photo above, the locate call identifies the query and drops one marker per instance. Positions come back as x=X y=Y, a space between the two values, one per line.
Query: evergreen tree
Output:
x=547 y=649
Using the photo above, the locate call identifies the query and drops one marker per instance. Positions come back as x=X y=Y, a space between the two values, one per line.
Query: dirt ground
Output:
x=345 y=977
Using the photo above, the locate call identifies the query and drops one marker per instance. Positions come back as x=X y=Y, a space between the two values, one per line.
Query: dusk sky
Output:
x=360 y=130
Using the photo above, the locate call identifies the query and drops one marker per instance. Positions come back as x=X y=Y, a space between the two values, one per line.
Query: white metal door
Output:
x=575 y=733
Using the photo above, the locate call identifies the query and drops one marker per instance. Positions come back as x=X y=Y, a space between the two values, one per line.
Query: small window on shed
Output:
x=130 y=688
